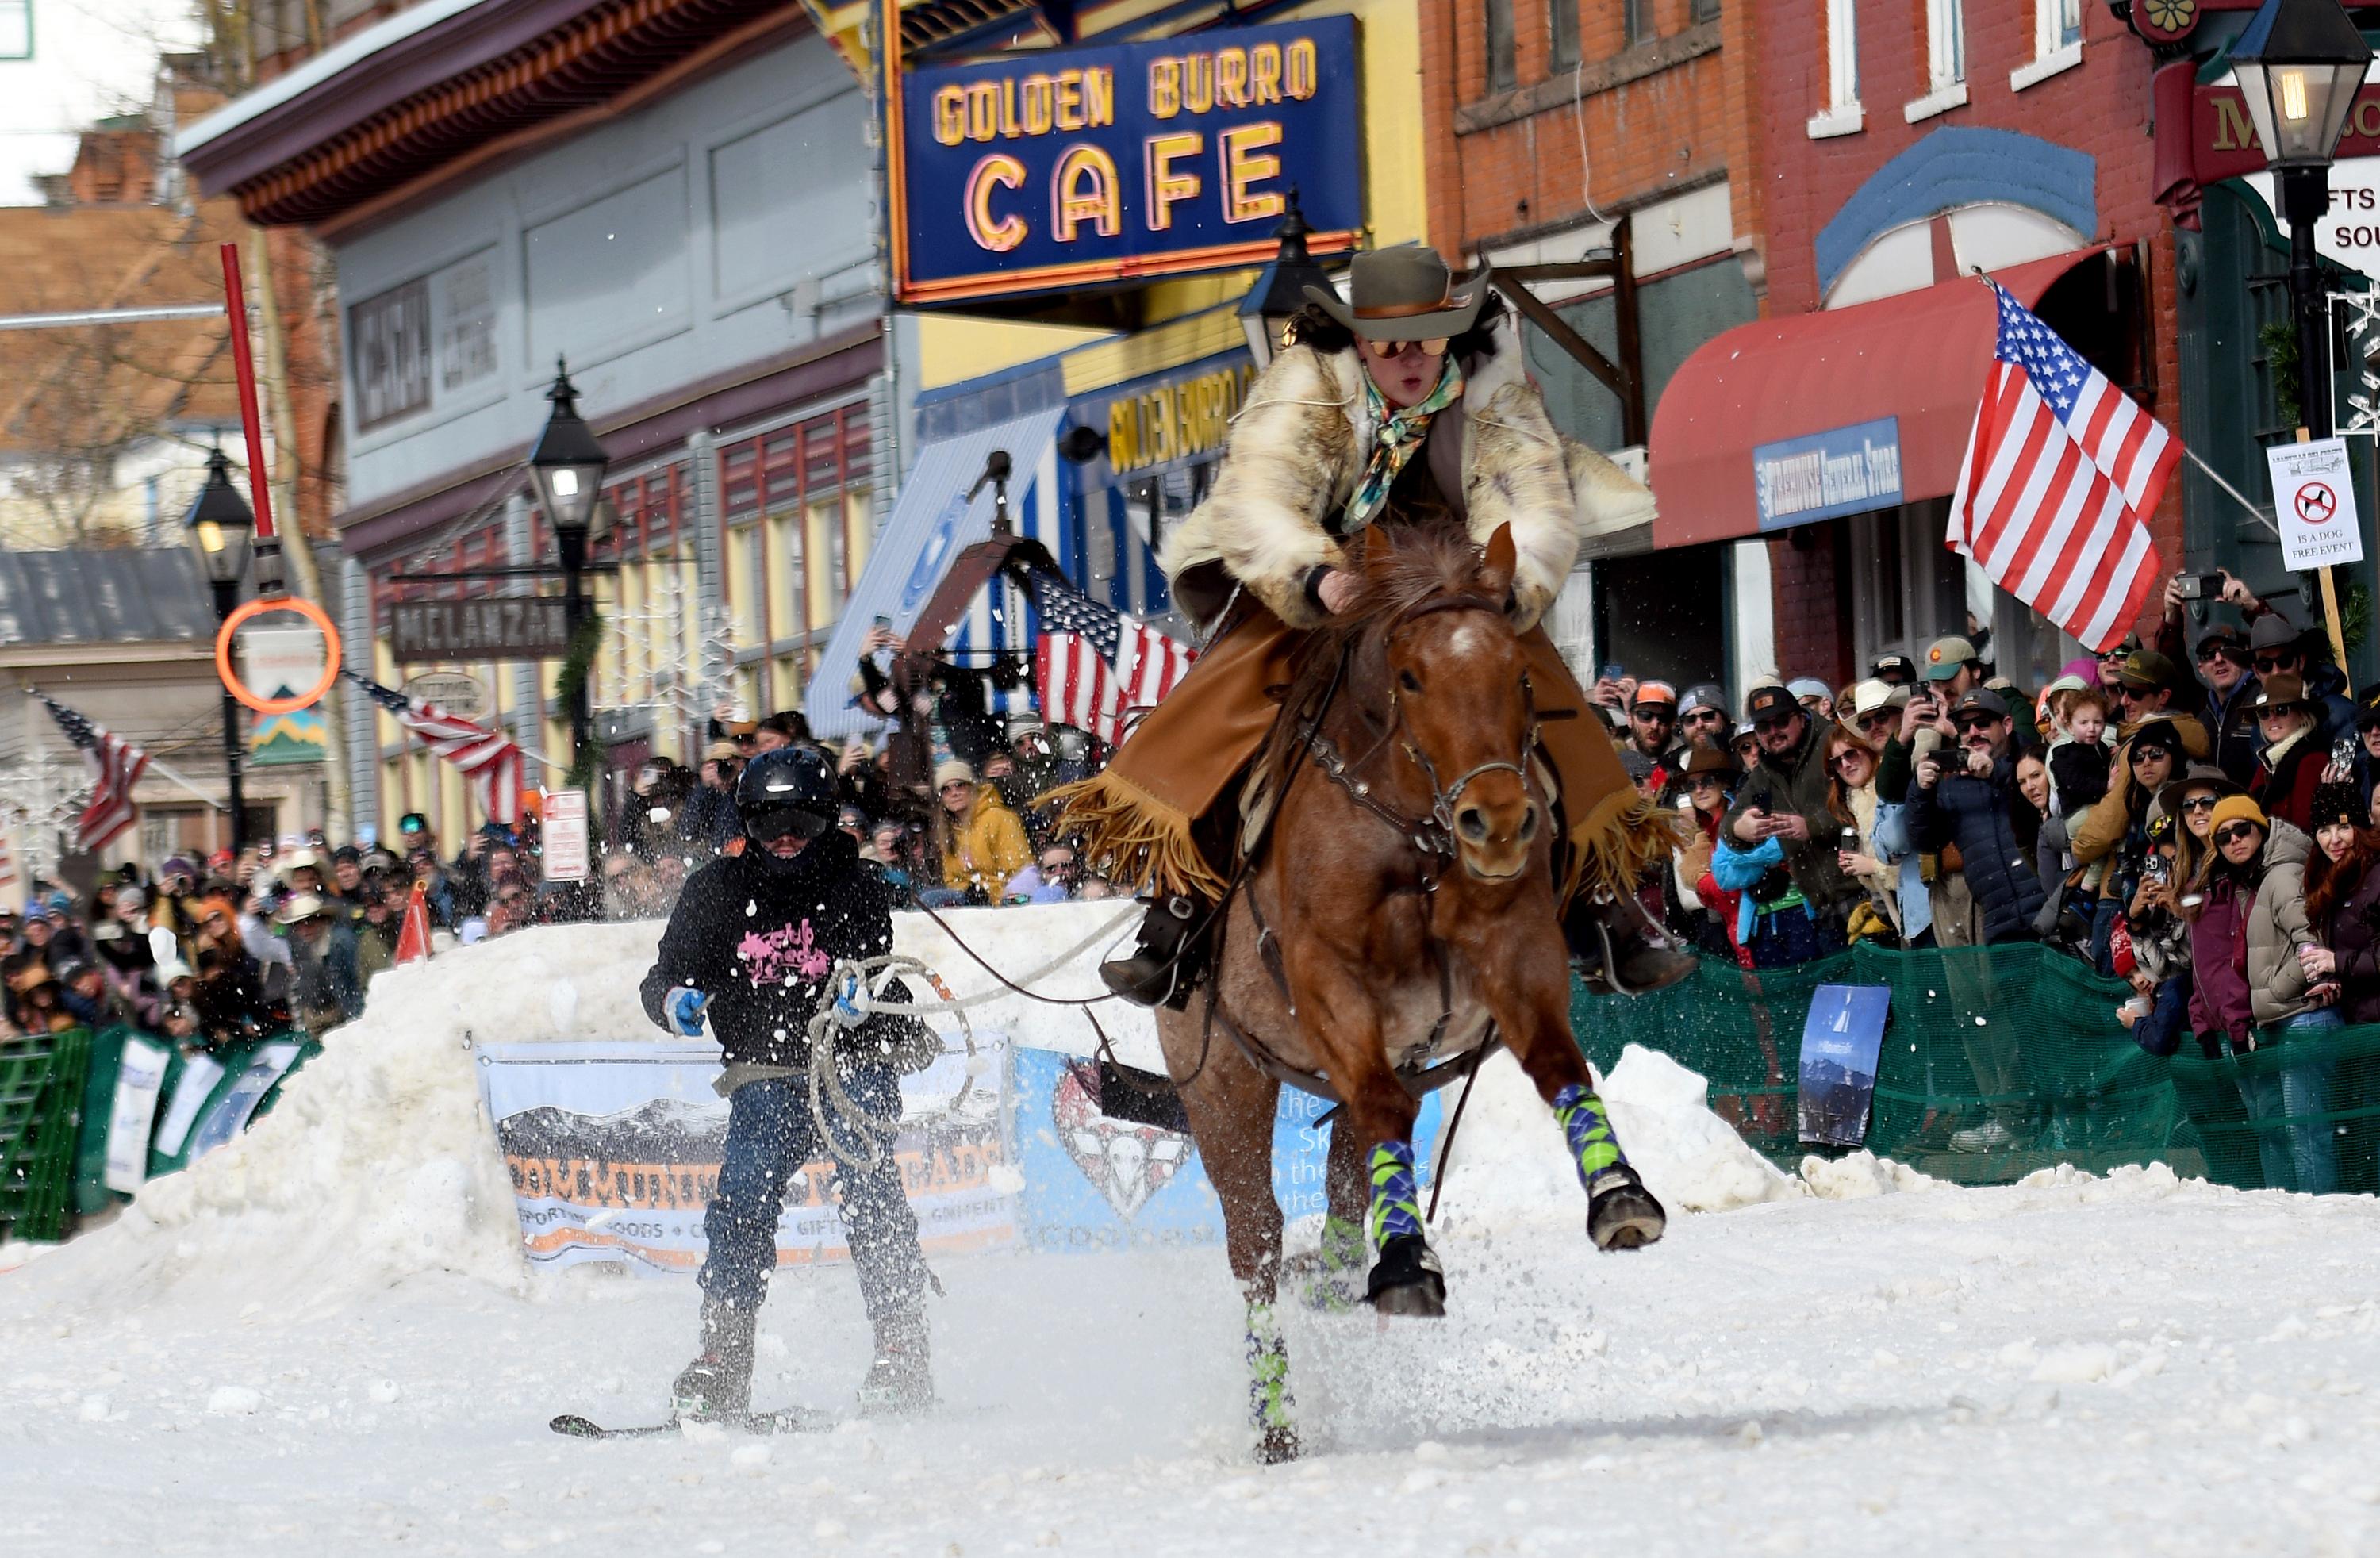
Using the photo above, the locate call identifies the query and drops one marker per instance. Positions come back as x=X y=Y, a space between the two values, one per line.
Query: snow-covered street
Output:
x=2130 y=1365
x=2133 y=1366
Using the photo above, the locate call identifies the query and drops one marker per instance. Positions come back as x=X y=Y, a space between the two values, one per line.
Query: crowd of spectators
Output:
x=2206 y=838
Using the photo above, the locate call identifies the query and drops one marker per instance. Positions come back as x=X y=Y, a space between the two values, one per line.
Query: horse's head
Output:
x=1458 y=693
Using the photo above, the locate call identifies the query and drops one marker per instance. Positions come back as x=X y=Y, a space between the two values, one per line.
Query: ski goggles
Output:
x=786 y=822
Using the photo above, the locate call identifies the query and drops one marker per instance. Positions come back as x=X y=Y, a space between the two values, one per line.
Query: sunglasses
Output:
x=1660 y=711
x=2278 y=710
x=2268 y=663
x=2134 y=694
x=1850 y=754
x=1704 y=716
x=1387 y=349
x=1704 y=781
x=2198 y=803
x=2210 y=653
x=1877 y=721
x=2237 y=832
x=1774 y=722
x=1974 y=722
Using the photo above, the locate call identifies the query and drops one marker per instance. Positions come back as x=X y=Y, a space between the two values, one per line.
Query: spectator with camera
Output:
x=1967 y=798
x=1784 y=798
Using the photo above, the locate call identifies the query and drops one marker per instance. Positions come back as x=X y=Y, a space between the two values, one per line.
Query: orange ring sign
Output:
x=258 y=607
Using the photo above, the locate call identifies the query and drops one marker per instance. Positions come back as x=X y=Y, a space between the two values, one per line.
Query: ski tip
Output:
x=577 y=1427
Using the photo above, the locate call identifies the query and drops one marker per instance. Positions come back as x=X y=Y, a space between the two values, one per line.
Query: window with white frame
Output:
x=1842 y=114
x=1946 y=44
x=2057 y=43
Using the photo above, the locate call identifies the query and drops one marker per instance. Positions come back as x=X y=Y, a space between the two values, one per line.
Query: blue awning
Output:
x=932 y=521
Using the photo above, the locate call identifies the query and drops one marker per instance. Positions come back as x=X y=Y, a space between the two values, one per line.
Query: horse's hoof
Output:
x=1277 y=1446
x=1626 y=1217
x=1407 y=1279
x=1414 y=1301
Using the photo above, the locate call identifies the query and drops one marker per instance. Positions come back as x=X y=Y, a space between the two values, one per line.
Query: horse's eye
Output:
x=1412 y=683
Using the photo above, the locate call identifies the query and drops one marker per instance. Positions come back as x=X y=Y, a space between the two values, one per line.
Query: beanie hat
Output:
x=2238 y=808
x=951 y=771
x=2335 y=803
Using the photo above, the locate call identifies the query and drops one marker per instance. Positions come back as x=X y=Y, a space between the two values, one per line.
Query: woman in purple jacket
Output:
x=2343 y=903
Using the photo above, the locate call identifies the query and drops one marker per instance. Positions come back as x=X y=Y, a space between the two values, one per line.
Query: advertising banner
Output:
x=564 y=837
x=1841 y=1041
x=1060 y=168
x=141 y=1074
x=1850 y=469
x=1093 y=1183
x=614 y=1149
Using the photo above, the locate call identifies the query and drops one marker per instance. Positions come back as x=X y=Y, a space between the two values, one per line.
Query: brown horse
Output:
x=1401 y=910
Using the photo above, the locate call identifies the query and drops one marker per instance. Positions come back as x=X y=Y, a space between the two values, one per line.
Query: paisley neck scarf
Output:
x=1400 y=432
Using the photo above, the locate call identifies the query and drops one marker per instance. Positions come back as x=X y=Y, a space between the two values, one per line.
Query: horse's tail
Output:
x=1612 y=846
x=1133 y=838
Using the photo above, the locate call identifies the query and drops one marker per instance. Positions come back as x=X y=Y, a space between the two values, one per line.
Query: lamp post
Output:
x=1280 y=290
x=568 y=465
x=222 y=529
x=2299 y=65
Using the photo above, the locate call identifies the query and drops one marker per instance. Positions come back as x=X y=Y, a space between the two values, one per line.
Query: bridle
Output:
x=1432 y=836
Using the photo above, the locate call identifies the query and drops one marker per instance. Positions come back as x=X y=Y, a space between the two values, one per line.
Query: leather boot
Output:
x=1620 y=950
x=1164 y=967
x=718 y=1383
x=900 y=1379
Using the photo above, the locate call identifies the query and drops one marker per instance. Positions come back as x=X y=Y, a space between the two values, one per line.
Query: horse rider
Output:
x=1408 y=405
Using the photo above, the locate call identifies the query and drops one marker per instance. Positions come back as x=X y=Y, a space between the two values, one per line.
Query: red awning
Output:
x=1919 y=359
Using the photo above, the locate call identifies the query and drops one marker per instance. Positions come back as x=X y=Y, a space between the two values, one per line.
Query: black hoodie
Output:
x=759 y=936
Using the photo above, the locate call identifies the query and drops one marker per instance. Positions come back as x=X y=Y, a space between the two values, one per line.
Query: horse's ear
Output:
x=1503 y=560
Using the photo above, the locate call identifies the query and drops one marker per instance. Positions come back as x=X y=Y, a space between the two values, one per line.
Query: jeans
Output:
x=1791 y=936
x=943 y=897
x=2303 y=1155
x=769 y=1134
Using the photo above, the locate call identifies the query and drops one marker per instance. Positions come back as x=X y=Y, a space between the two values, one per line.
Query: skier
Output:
x=751 y=946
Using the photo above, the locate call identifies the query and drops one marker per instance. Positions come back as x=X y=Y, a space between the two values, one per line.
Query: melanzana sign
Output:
x=1817 y=476
x=1061 y=168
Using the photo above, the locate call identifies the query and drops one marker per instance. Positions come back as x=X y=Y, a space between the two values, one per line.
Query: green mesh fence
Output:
x=2000 y=1061
x=41 y=1106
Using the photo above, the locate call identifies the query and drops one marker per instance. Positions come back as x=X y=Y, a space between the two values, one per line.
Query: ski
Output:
x=784 y=1419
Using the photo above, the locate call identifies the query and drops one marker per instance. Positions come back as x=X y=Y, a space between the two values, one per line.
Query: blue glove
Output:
x=851 y=1002
x=684 y=1009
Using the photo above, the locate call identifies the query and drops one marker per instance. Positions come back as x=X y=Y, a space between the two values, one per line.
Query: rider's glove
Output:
x=851 y=1004
x=684 y=1010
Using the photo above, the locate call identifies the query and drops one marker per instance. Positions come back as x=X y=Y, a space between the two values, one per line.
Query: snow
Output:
x=322 y=1338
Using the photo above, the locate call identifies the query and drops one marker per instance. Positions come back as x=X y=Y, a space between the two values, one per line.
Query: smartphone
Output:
x=2199 y=587
x=883 y=624
x=1612 y=671
x=1851 y=840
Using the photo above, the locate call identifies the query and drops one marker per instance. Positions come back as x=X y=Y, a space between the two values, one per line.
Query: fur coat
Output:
x=1299 y=445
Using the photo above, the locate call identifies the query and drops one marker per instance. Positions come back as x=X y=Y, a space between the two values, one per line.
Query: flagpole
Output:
x=2216 y=476
x=161 y=771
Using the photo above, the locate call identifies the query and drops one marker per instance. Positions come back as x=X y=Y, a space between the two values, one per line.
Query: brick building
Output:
x=1559 y=131
x=1906 y=144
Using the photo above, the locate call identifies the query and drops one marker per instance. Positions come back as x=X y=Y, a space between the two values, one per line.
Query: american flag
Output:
x=2062 y=470
x=115 y=766
x=1096 y=668
x=490 y=762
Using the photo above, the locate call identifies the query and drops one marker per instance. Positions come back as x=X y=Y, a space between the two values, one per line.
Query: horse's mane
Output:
x=1404 y=560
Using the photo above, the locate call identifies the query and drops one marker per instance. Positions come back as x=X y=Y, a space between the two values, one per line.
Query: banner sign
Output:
x=2313 y=503
x=1852 y=469
x=614 y=1150
x=229 y=1113
x=1093 y=1183
x=2223 y=138
x=499 y=628
x=562 y=838
x=140 y=1073
x=1057 y=168
x=1841 y=1041
x=199 y=1074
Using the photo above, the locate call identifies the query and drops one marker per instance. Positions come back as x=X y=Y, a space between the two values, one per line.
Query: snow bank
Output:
x=377 y=1163
x=1860 y=1174
x=1510 y=1160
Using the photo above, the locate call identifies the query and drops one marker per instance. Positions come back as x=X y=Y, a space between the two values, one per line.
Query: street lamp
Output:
x=1280 y=290
x=222 y=529
x=568 y=465
x=2299 y=65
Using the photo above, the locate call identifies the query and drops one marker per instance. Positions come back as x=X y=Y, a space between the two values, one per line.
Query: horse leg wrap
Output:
x=1269 y=1399
x=1327 y=1275
x=1396 y=1201
x=1620 y=1213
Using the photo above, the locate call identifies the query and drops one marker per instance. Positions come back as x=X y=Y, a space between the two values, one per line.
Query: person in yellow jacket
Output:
x=987 y=843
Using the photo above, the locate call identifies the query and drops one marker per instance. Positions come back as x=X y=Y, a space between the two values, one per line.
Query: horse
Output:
x=1398 y=916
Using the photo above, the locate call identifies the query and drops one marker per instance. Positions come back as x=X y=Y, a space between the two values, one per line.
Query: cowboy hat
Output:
x=1405 y=293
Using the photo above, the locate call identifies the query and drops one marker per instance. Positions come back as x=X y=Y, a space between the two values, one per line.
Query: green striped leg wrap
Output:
x=1269 y=1401
x=1396 y=1203
x=1588 y=1128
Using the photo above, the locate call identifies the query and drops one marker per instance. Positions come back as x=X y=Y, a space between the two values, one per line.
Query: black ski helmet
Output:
x=789 y=790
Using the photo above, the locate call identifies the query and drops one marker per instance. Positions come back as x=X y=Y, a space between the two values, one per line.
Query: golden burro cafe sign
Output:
x=1064 y=168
